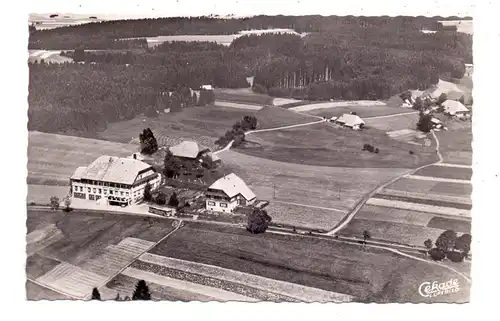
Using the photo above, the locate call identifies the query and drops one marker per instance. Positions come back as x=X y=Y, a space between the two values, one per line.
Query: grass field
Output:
x=401 y=233
x=394 y=123
x=227 y=104
x=441 y=188
x=303 y=216
x=444 y=223
x=446 y=172
x=323 y=264
x=53 y=158
x=303 y=184
x=271 y=117
x=455 y=145
x=35 y=292
x=242 y=95
x=41 y=194
x=338 y=104
x=85 y=235
x=202 y=124
x=362 y=111
x=327 y=145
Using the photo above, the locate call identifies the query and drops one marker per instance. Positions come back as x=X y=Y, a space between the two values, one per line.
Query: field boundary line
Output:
x=393 y=115
x=438 y=179
x=453 y=165
x=179 y=225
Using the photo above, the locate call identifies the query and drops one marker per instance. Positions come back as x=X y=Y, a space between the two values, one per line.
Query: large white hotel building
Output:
x=118 y=181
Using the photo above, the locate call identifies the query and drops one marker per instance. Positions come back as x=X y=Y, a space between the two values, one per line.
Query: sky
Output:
x=130 y=9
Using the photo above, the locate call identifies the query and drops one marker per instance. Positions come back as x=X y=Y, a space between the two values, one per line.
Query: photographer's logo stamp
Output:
x=434 y=289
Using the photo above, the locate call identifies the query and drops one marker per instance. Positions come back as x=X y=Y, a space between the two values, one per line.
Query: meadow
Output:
x=361 y=111
x=394 y=123
x=456 y=145
x=273 y=117
x=201 y=124
x=53 y=158
x=370 y=274
x=242 y=95
x=328 y=145
x=304 y=184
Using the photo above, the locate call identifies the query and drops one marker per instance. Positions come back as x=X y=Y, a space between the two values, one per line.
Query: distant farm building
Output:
x=469 y=69
x=351 y=121
x=227 y=193
x=187 y=149
x=454 y=108
x=116 y=180
x=207 y=87
x=210 y=158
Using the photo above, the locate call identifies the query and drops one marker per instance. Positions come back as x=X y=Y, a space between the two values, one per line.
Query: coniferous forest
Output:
x=342 y=58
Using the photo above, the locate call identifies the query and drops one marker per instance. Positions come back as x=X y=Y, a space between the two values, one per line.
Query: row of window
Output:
x=210 y=203
x=100 y=191
x=106 y=184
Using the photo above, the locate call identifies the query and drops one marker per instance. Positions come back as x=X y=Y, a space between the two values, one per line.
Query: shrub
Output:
x=258 y=221
x=161 y=199
x=411 y=152
x=54 y=202
x=141 y=291
x=95 y=294
x=173 y=201
x=455 y=256
x=437 y=254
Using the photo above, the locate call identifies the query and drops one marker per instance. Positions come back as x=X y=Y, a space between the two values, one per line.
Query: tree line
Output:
x=94 y=35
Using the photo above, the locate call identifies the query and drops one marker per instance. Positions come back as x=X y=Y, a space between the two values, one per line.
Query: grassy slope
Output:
x=326 y=145
x=53 y=158
x=312 y=262
x=421 y=186
x=87 y=234
x=304 y=184
x=243 y=95
x=202 y=124
x=271 y=117
x=394 y=123
x=446 y=172
x=455 y=144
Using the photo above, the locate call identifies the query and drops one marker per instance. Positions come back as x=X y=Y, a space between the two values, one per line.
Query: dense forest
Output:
x=339 y=58
x=82 y=98
x=87 y=35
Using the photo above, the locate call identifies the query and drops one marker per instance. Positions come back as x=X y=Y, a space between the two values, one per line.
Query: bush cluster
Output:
x=370 y=148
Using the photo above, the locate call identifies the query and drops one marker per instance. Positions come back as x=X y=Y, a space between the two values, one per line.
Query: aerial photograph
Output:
x=249 y=158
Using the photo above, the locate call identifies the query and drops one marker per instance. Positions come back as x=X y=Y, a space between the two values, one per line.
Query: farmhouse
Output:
x=454 y=108
x=351 y=121
x=227 y=193
x=118 y=181
x=187 y=150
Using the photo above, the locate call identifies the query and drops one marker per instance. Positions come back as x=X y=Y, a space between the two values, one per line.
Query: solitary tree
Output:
x=96 y=295
x=173 y=201
x=141 y=291
x=171 y=165
x=441 y=99
x=463 y=243
x=54 y=202
x=366 y=235
x=428 y=245
x=149 y=145
x=161 y=198
x=258 y=221
x=67 y=204
x=147 y=192
x=424 y=123
x=446 y=241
